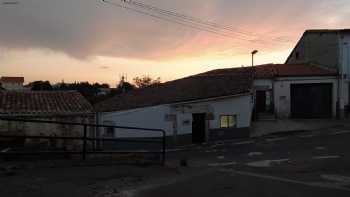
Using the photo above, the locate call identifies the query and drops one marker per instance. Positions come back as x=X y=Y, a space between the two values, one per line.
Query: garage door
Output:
x=311 y=100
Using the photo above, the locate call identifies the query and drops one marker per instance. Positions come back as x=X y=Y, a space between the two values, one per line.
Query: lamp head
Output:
x=254 y=52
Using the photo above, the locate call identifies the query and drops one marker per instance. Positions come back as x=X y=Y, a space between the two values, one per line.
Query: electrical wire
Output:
x=188 y=21
x=170 y=20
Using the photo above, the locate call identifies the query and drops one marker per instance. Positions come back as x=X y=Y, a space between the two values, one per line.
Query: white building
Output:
x=330 y=49
x=191 y=110
x=219 y=104
x=12 y=83
x=297 y=91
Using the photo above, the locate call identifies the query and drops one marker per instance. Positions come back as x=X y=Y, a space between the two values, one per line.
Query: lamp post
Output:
x=254 y=102
x=253 y=53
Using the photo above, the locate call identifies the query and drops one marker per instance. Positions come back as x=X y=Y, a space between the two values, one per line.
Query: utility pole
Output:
x=253 y=73
x=253 y=53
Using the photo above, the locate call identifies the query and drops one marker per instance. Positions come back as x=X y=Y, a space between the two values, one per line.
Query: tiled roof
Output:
x=43 y=103
x=268 y=71
x=12 y=79
x=191 y=88
x=292 y=70
x=215 y=83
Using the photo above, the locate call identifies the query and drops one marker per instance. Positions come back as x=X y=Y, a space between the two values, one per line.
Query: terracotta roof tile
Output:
x=43 y=102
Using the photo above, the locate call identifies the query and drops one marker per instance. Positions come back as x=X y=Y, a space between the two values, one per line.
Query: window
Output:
x=228 y=121
x=297 y=55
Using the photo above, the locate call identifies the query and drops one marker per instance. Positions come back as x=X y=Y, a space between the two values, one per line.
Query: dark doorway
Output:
x=198 y=128
x=311 y=100
x=260 y=101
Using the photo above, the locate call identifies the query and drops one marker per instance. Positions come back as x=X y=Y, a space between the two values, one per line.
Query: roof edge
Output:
x=182 y=102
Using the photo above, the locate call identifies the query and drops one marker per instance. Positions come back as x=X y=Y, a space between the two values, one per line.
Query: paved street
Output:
x=298 y=164
x=301 y=164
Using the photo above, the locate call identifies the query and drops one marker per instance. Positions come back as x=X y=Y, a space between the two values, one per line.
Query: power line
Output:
x=168 y=19
x=198 y=21
x=189 y=18
x=185 y=20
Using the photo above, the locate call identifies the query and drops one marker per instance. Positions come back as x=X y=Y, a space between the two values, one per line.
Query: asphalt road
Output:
x=302 y=164
x=221 y=183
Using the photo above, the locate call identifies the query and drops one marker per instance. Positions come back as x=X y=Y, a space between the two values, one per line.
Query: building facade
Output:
x=68 y=106
x=195 y=109
x=298 y=91
x=221 y=104
x=330 y=49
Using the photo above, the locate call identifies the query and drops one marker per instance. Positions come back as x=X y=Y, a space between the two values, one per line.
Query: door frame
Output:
x=203 y=137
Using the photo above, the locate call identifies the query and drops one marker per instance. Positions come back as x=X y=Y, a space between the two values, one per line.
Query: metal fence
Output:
x=85 y=139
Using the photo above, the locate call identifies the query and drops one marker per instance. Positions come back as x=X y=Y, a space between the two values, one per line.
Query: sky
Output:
x=88 y=40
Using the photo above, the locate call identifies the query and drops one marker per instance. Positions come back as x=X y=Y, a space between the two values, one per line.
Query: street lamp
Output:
x=254 y=94
x=253 y=53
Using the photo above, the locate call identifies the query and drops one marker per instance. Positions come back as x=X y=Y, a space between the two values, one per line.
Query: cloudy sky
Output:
x=87 y=40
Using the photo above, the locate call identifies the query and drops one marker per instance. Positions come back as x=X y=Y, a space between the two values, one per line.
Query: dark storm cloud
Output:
x=85 y=28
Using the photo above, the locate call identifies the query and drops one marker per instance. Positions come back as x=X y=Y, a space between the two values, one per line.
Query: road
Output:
x=295 y=165
x=302 y=164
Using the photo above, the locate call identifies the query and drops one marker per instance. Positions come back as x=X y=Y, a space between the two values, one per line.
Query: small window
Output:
x=228 y=121
x=297 y=55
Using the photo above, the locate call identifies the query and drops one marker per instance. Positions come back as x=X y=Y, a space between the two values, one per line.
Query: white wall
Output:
x=148 y=117
x=240 y=106
x=282 y=96
x=158 y=116
x=260 y=83
x=344 y=59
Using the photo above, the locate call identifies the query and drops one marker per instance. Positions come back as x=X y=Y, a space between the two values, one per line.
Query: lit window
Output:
x=228 y=121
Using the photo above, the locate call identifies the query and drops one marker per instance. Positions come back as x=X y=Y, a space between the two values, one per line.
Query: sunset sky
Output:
x=87 y=40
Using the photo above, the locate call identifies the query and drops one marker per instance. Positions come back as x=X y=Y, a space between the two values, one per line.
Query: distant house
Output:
x=328 y=48
x=12 y=83
x=221 y=104
x=67 y=106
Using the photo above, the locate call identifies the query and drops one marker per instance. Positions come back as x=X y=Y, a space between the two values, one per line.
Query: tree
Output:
x=40 y=86
x=145 y=81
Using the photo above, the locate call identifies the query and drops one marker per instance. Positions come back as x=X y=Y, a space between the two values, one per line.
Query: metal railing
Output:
x=85 y=138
